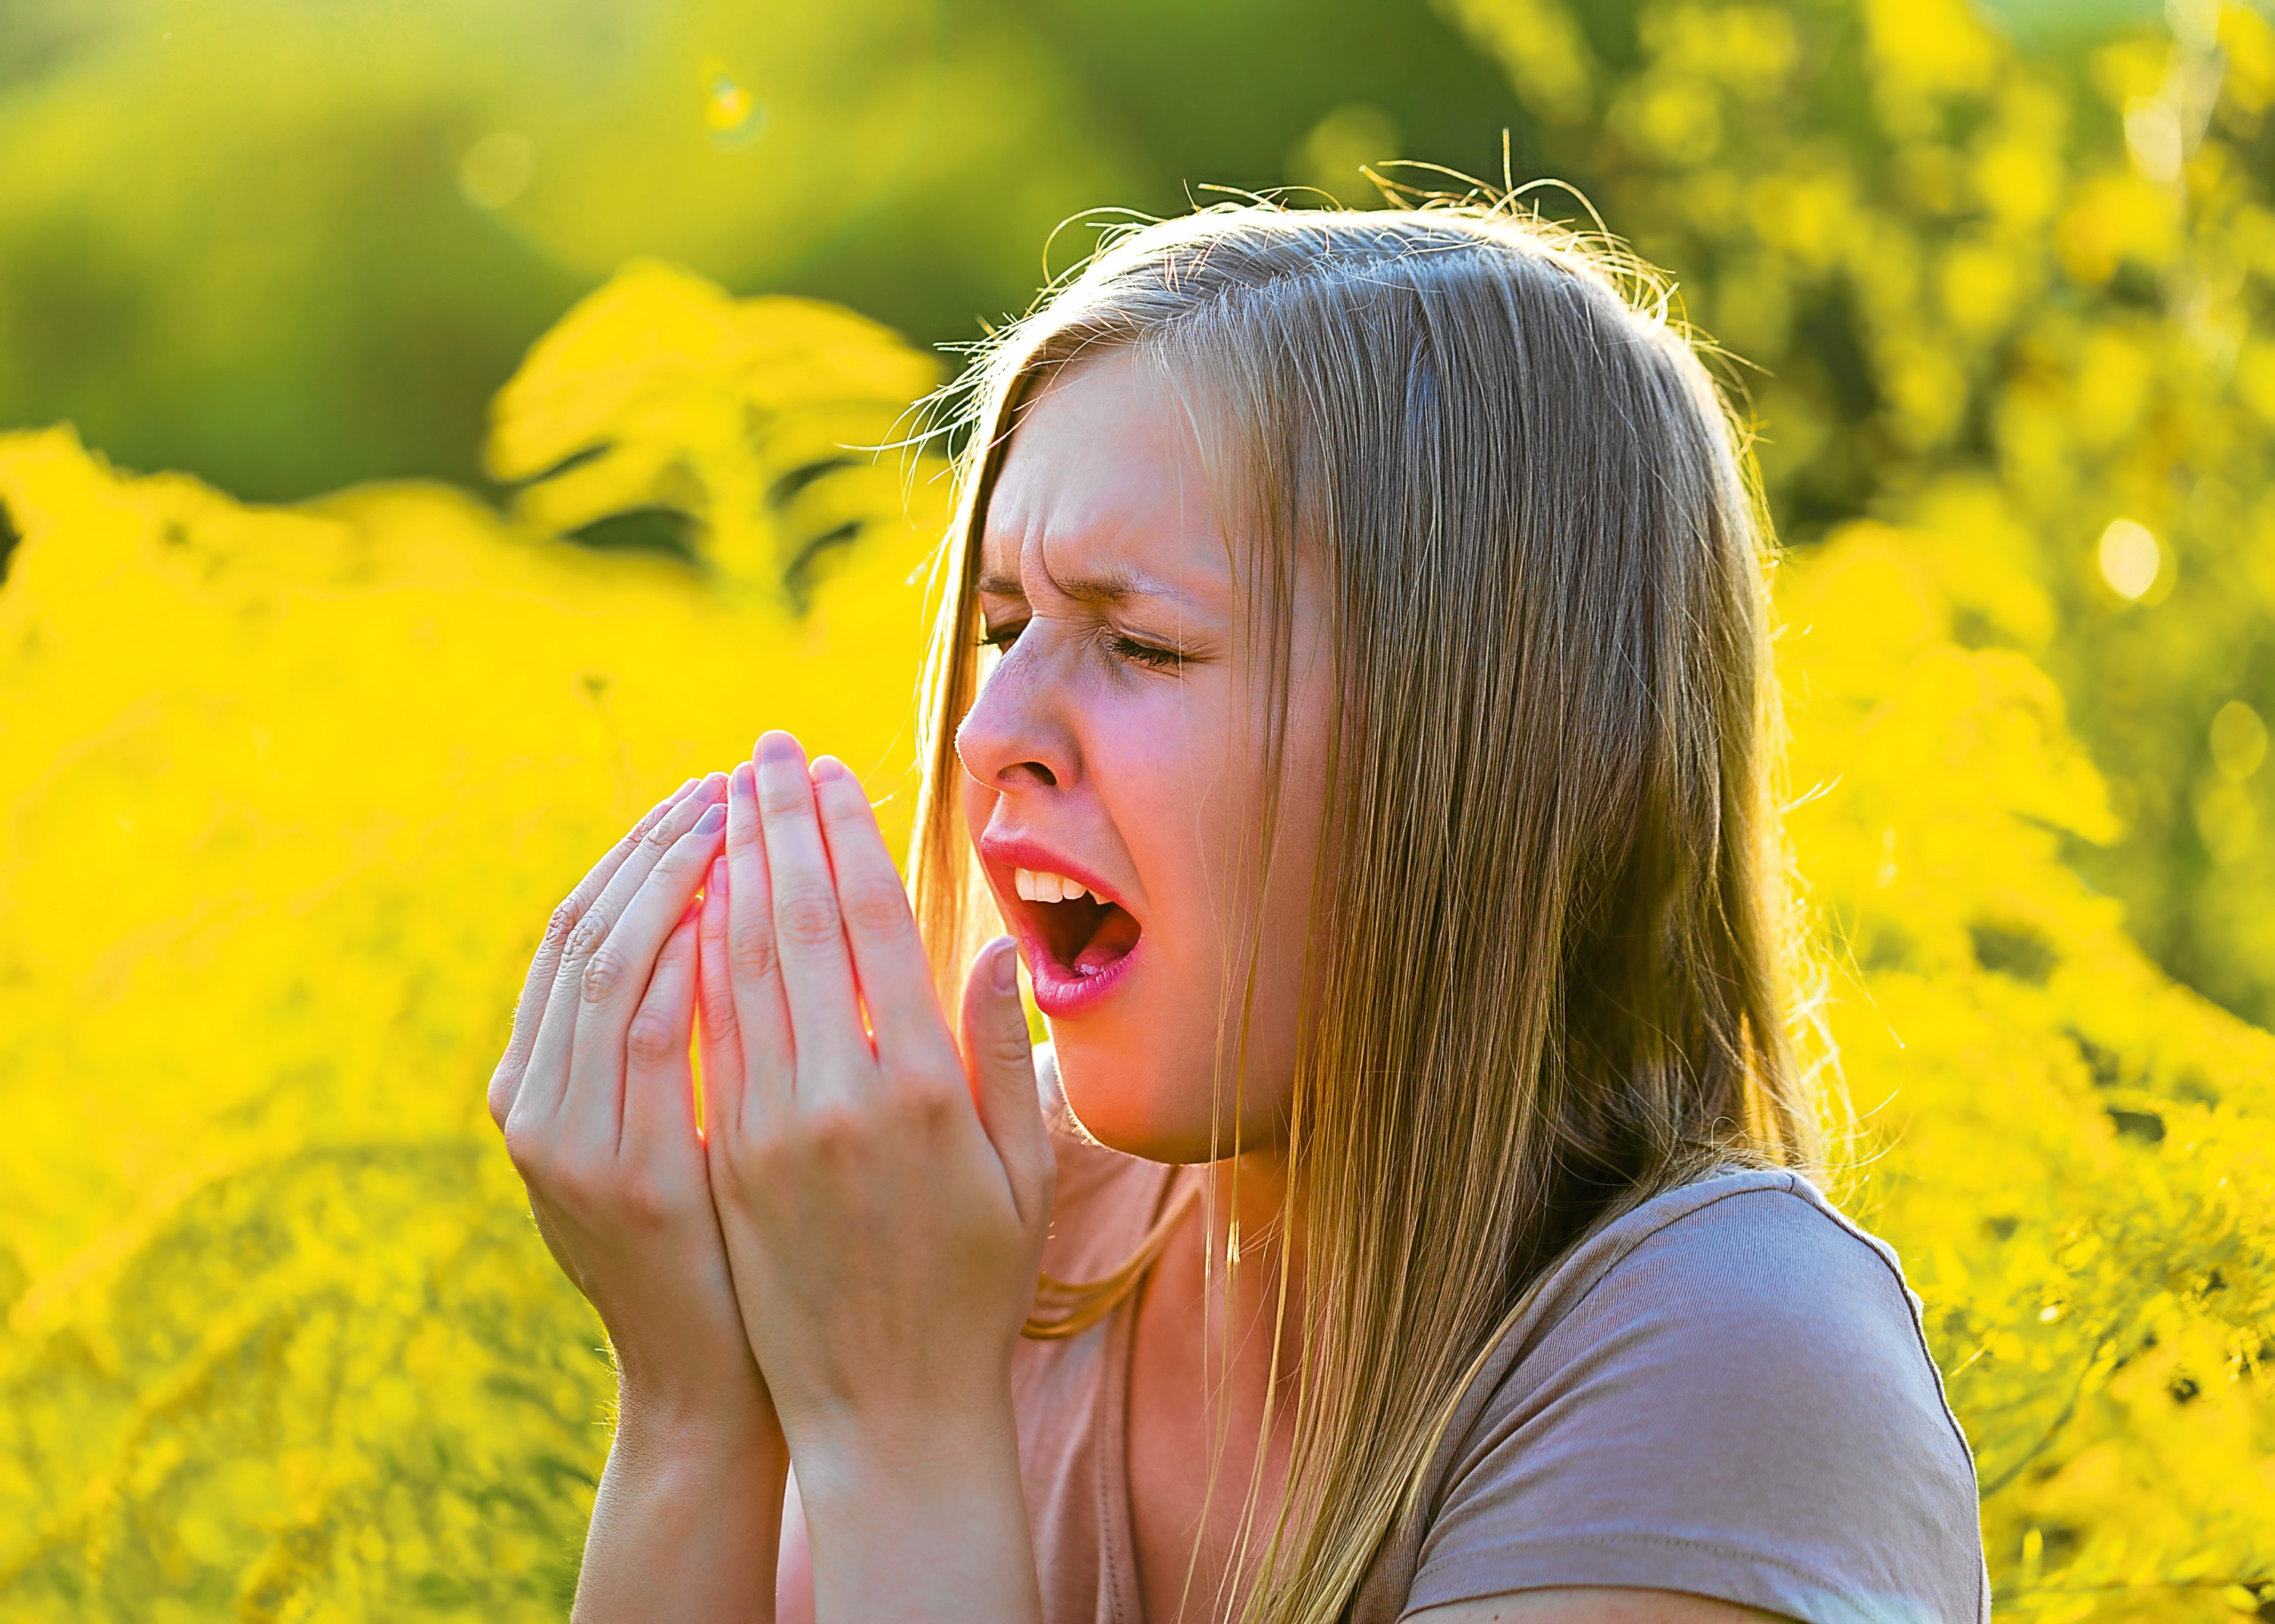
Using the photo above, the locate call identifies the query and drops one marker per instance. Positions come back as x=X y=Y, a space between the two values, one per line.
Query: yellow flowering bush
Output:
x=290 y=794
x=2074 y=1155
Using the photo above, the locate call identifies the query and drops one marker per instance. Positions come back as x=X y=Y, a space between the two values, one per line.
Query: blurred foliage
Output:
x=286 y=245
x=2014 y=299
x=290 y=789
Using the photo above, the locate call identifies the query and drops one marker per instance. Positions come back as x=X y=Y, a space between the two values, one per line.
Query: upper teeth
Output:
x=1037 y=885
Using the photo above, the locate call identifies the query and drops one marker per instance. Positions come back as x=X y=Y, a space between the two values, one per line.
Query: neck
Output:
x=1246 y=1238
x=1212 y=1388
x=1249 y=1205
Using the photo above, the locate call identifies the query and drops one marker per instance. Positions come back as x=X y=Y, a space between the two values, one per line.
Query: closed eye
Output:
x=1001 y=638
x=1152 y=655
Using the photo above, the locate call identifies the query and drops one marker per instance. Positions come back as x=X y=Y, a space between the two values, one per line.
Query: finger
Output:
x=548 y=1075
x=753 y=968
x=536 y=988
x=659 y=1117
x=894 y=976
x=718 y=1035
x=817 y=973
x=617 y=976
x=1000 y=1064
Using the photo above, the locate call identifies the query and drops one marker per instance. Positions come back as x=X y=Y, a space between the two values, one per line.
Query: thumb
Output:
x=1000 y=1063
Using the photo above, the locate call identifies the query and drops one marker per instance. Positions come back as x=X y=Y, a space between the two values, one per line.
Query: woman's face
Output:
x=1116 y=747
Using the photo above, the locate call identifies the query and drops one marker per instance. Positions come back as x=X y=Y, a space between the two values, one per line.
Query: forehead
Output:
x=1104 y=476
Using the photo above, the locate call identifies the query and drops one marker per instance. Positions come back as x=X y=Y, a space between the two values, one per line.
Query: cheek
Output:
x=1157 y=780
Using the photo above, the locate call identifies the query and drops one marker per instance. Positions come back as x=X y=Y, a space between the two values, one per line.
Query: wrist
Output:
x=852 y=1459
x=918 y=1522
x=689 y=1507
x=696 y=1424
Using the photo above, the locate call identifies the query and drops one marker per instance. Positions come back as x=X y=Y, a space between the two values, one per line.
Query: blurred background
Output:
x=431 y=442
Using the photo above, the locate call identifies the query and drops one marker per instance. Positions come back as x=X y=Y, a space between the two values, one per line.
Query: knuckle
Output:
x=930 y=1108
x=650 y=1040
x=504 y=1085
x=646 y=1200
x=605 y=975
x=877 y=908
x=762 y=1149
x=932 y=1083
x=569 y=1186
x=718 y=1007
x=750 y=953
x=589 y=933
x=529 y=1151
x=806 y=918
x=1012 y=1045
x=836 y=1128
x=563 y=921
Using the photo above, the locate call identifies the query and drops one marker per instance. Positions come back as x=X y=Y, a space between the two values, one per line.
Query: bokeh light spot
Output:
x=497 y=169
x=729 y=112
x=2239 y=740
x=2130 y=558
x=2153 y=136
x=1329 y=159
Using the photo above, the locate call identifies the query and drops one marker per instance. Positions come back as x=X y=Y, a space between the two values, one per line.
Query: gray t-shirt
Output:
x=1726 y=1391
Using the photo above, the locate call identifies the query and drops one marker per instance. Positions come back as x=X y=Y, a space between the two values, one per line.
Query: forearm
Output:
x=687 y=1523
x=933 y=1529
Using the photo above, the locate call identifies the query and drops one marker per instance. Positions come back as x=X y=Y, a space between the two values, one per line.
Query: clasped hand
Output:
x=846 y=1242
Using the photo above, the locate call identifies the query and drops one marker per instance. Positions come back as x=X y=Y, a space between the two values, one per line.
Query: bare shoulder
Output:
x=1593 y=1606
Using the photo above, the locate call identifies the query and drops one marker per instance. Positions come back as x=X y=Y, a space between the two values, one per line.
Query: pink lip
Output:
x=1062 y=995
x=1011 y=851
x=1060 y=992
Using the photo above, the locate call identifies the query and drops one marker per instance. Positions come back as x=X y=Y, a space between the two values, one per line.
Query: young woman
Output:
x=1352 y=694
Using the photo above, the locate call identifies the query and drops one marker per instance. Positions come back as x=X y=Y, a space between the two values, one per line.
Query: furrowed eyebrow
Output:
x=1109 y=587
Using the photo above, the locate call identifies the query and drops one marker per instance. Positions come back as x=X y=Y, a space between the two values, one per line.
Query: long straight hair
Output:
x=1561 y=977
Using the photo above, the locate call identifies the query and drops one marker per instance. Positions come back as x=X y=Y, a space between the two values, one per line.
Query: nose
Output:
x=1016 y=736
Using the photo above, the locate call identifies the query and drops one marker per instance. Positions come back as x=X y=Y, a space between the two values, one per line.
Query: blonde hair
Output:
x=1559 y=978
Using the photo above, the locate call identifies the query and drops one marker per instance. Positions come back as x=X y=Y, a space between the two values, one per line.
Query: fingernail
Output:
x=826 y=769
x=1006 y=967
x=745 y=782
x=716 y=885
x=713 y=820
x=775 y=745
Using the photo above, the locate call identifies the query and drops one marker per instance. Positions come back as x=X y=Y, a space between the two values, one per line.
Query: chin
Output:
x=1122 y=1100
x=1144 y=1104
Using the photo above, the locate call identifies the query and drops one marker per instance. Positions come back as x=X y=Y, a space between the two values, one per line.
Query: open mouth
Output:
x=1078 y=943
x=1084 y=936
